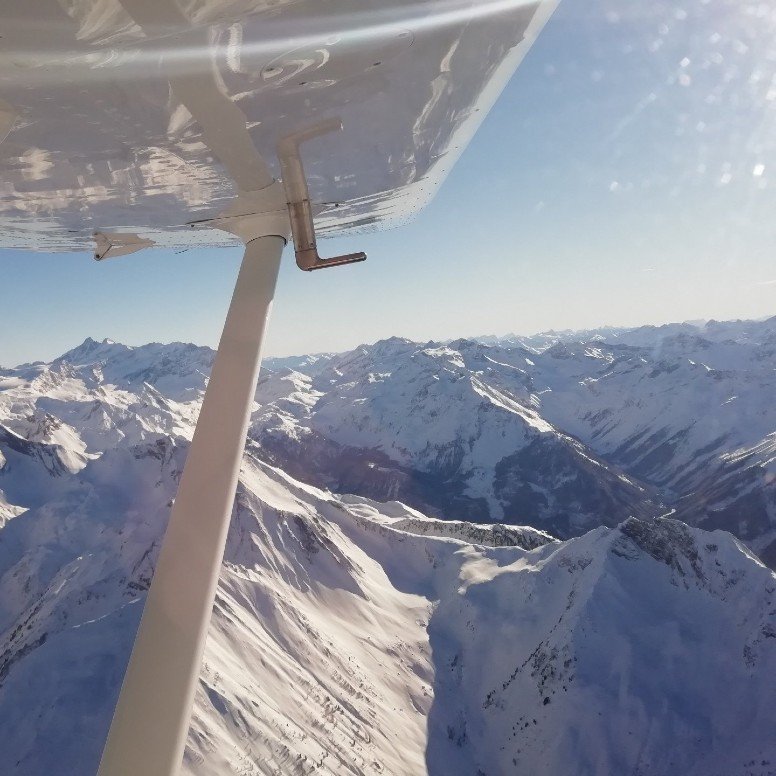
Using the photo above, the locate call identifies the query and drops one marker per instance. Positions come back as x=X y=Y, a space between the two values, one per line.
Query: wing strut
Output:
x=151 y=721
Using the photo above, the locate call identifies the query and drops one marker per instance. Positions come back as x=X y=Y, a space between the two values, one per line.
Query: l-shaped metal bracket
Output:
x=300 y=211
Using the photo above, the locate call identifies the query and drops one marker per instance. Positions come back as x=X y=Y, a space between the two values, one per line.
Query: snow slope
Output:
x=351 y=637
x=572 y=431
x=453 y=437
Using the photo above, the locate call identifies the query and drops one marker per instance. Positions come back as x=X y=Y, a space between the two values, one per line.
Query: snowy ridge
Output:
x=588 y=428
x=582 y=432
x=354 y=636
x=450 y=430
x=351 y=636
x=617 y=628
x=348 y=638
x=718 y=331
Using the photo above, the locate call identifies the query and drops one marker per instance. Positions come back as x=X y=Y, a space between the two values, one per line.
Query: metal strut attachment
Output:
x=300 y=211
x=109 y=245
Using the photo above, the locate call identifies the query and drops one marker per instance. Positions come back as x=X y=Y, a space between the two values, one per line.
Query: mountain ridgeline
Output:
x=562 y=431
x=353 y=633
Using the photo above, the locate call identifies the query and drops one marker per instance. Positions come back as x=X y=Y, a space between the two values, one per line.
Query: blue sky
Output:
x=625 y=176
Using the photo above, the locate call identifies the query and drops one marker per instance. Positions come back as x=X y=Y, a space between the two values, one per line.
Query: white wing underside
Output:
x=143 y=116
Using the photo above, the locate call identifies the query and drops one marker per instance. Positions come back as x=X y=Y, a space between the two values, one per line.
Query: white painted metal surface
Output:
x=143 y=115
x=149 y=728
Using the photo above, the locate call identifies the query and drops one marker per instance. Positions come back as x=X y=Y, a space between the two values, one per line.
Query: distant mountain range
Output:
x=560 y=431
x=352 y=634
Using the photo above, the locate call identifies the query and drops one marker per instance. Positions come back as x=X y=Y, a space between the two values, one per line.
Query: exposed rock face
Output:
x=667 y=541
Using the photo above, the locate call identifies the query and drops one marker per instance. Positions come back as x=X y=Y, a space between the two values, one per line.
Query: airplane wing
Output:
x=127 y=123
x=144 y=116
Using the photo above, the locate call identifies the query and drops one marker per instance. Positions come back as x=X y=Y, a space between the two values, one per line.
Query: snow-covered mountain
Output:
x=355 y=637
x=445 y=429
x=353 y=634
x=565 y=437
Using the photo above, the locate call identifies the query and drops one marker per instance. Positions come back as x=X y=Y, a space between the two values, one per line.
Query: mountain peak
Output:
x=91 y=351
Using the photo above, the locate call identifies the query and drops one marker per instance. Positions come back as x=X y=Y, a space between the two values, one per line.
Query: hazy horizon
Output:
x=698 y=322
x=624 y=176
